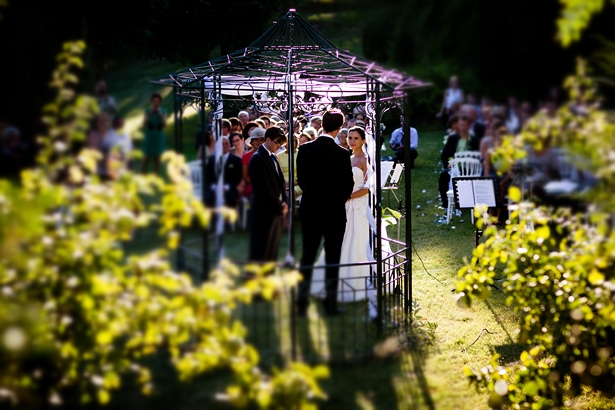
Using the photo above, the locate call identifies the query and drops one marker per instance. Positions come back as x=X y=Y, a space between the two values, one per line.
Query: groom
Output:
x=324 y=174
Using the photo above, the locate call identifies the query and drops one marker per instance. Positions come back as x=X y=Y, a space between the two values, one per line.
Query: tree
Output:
x=76 y=312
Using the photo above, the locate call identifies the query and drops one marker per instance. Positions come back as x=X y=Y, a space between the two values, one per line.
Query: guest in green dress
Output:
x=154 y=143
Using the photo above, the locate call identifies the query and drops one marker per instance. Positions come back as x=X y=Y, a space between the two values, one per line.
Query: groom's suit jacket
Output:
x=324 y=174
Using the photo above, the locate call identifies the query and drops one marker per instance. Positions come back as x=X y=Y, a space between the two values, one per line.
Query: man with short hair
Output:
x=226 y=127
x=324 y=173
x=397 y=144
x=269 y=204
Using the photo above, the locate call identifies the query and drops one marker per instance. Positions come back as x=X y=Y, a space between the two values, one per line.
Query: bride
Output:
x=355 y=282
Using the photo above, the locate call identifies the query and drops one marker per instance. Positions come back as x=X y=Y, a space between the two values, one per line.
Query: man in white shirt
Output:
x=397 y=144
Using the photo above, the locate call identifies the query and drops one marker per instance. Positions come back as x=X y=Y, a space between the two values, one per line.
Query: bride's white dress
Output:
x=355 y=283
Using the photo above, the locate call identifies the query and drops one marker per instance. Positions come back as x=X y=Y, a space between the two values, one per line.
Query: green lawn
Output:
x=431 y=378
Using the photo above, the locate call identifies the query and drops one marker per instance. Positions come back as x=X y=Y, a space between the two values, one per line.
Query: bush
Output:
x=76 y=312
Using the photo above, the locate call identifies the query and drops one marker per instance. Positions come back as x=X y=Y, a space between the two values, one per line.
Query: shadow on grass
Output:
x=509 y=352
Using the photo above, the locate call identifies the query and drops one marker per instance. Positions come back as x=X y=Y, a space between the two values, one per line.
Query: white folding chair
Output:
x=385 y=170
x=461 y=167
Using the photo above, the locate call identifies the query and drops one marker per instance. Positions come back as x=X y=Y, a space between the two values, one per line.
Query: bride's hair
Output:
x=361 y=132
x=358 y=129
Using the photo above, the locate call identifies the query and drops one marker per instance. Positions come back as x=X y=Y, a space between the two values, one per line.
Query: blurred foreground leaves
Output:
x=558 y=267
x=76 y=312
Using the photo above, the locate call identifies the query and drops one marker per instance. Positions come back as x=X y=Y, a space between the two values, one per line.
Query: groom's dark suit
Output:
x=324 y=174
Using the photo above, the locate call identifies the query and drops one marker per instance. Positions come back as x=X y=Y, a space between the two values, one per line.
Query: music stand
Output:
x=393 y=185
x=471 y=191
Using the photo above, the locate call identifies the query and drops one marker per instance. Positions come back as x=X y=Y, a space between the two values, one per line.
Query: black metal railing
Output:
x=279 y=333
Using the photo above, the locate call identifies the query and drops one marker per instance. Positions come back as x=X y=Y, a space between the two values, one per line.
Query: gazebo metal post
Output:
x=205 y=230
x=180 y=125
x=291 y=230
x=378 y=207
x=291 y=176
x=291 y=192
x=177 y=106
x=408 y=199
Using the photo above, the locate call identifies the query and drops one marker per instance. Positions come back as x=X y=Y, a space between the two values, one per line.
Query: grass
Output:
x=409 y=380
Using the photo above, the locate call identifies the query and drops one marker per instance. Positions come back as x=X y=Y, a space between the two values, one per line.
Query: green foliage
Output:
x=575 y=17
x=558 y=269
x=77 y=312
x=421 y=333
x=3 y=3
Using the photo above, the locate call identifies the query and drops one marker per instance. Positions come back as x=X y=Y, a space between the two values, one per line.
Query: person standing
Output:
x=106 y=103
x=324 y=173
x=228 y=168
x=452 y=95
x=155 y=141
x=269 y=203
x=397 y=144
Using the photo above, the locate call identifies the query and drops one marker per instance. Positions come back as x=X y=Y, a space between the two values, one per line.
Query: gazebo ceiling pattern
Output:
x=291 y=53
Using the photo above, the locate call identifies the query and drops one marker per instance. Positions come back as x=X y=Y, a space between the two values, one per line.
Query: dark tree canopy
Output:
x=186 y=31
x=497 y=48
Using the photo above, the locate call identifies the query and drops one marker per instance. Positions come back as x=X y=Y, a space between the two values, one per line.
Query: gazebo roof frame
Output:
x=291 y=53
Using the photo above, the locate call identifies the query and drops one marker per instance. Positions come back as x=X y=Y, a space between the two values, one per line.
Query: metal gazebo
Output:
x=292 y=69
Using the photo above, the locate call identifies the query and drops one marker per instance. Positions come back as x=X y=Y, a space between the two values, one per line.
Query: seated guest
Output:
x=452 y=127
x=228 y=169
x=544 y=166
x=513 y=122
x=477 y=130
x=397 y=144
x=489 y=145
x=457 y=142
x=488 y=141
